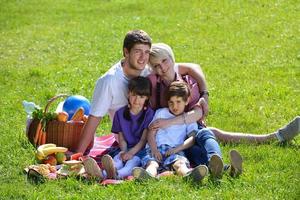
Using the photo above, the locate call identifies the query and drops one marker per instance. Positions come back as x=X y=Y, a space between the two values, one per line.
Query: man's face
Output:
x=176 y=105
x=138 y=56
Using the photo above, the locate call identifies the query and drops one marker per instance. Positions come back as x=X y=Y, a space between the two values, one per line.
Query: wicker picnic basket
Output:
x=65 y=134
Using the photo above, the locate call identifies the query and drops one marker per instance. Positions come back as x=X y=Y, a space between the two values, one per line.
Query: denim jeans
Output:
x=205 y=146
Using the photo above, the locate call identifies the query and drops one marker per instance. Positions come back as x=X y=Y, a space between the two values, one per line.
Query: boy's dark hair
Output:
x=136 y=37
x=179 y=89
x=140 y=86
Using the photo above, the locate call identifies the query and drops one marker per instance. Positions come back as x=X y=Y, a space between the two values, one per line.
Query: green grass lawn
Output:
x=249 y=51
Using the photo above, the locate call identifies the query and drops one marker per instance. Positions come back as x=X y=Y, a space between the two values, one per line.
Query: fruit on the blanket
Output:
x=72 y=103
x=43 y=146
x=60 y=157
x=76 y=156
x=51 y=150
x=62 y=116
x=78 y=115
x=50 y=160
x=39 y=155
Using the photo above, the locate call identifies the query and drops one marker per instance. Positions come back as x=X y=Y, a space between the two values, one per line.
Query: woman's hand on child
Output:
x=159 y=123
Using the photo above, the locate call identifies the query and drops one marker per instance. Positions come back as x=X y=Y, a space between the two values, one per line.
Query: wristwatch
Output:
x=204 y=92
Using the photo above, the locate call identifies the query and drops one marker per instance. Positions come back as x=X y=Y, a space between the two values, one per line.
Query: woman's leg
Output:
x=286 y=133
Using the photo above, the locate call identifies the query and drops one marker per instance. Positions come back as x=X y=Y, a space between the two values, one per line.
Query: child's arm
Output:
x=128 y=155
x=186 y=144
x=122 y=142
x=152 y=143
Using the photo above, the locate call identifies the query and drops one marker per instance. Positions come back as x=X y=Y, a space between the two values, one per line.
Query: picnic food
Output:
x=43 y=169
x=60 y=157
x=71 y=167
x=78 y=115
x=50 y=160
x=62 y=116
x=72 y=103
x=47 y=153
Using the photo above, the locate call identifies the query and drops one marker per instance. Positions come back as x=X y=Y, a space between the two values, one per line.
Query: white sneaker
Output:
x=216 y=166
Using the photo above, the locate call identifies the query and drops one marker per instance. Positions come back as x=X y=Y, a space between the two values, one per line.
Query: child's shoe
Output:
x=109 y=166
x=91 y=168
x=197 y=174
x=236 y=162
x=140 y=173
x=216 y=166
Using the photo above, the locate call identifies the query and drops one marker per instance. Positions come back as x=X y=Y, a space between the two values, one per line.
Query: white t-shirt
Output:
x=111 y=91
x=173 y=135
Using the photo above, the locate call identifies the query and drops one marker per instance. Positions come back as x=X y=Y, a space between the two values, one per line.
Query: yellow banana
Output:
x=43 y=146
x=39 y=154
x=51 y=150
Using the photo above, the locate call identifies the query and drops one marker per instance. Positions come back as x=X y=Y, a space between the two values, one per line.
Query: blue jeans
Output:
x=205 y=146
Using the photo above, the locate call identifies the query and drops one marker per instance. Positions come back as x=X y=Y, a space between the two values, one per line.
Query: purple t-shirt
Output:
x=131 y=130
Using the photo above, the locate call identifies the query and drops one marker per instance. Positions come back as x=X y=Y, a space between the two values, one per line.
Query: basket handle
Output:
x=53 y=99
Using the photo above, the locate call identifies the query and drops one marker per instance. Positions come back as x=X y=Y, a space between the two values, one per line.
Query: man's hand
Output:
x=157 y=155
x=159 y=123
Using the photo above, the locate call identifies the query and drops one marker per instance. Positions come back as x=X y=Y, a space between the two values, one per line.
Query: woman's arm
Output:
x=186 y=118
x=196 y=72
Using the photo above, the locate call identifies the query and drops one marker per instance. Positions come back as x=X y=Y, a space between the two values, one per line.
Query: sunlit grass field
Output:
x=248 y=50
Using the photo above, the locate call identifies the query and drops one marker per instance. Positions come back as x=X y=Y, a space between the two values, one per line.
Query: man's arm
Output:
x=89 y=131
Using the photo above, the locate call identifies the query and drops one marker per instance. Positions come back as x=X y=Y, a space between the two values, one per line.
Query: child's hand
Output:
x=157 y=155
x=126 y=156
x=171 y=151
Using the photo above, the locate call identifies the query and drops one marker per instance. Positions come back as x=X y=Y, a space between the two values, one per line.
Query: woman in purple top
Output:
x=130 y=123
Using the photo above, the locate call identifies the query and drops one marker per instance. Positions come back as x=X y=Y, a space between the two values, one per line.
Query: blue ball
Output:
x=73 y=103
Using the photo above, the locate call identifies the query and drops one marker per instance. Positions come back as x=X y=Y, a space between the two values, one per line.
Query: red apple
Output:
x=50 y=160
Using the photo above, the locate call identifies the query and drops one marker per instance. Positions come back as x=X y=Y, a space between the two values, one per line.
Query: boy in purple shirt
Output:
x=130 y=124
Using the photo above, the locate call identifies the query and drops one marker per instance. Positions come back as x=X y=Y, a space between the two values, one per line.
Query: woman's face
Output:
x=163 y=67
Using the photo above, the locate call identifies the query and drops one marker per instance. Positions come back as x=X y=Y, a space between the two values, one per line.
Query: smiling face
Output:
x=137 y=57
x=136 y=102
x=164 y=67
x=177 y=105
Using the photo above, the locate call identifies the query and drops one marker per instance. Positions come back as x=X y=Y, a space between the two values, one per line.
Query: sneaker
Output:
x=91 y=168
x=109 y=166
x=216 y=166
x=236 y=162
x=197 y=174
x=140 y=173
x=291 y=130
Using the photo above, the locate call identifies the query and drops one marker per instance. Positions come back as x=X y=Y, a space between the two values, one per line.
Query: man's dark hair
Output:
x=136 y=37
